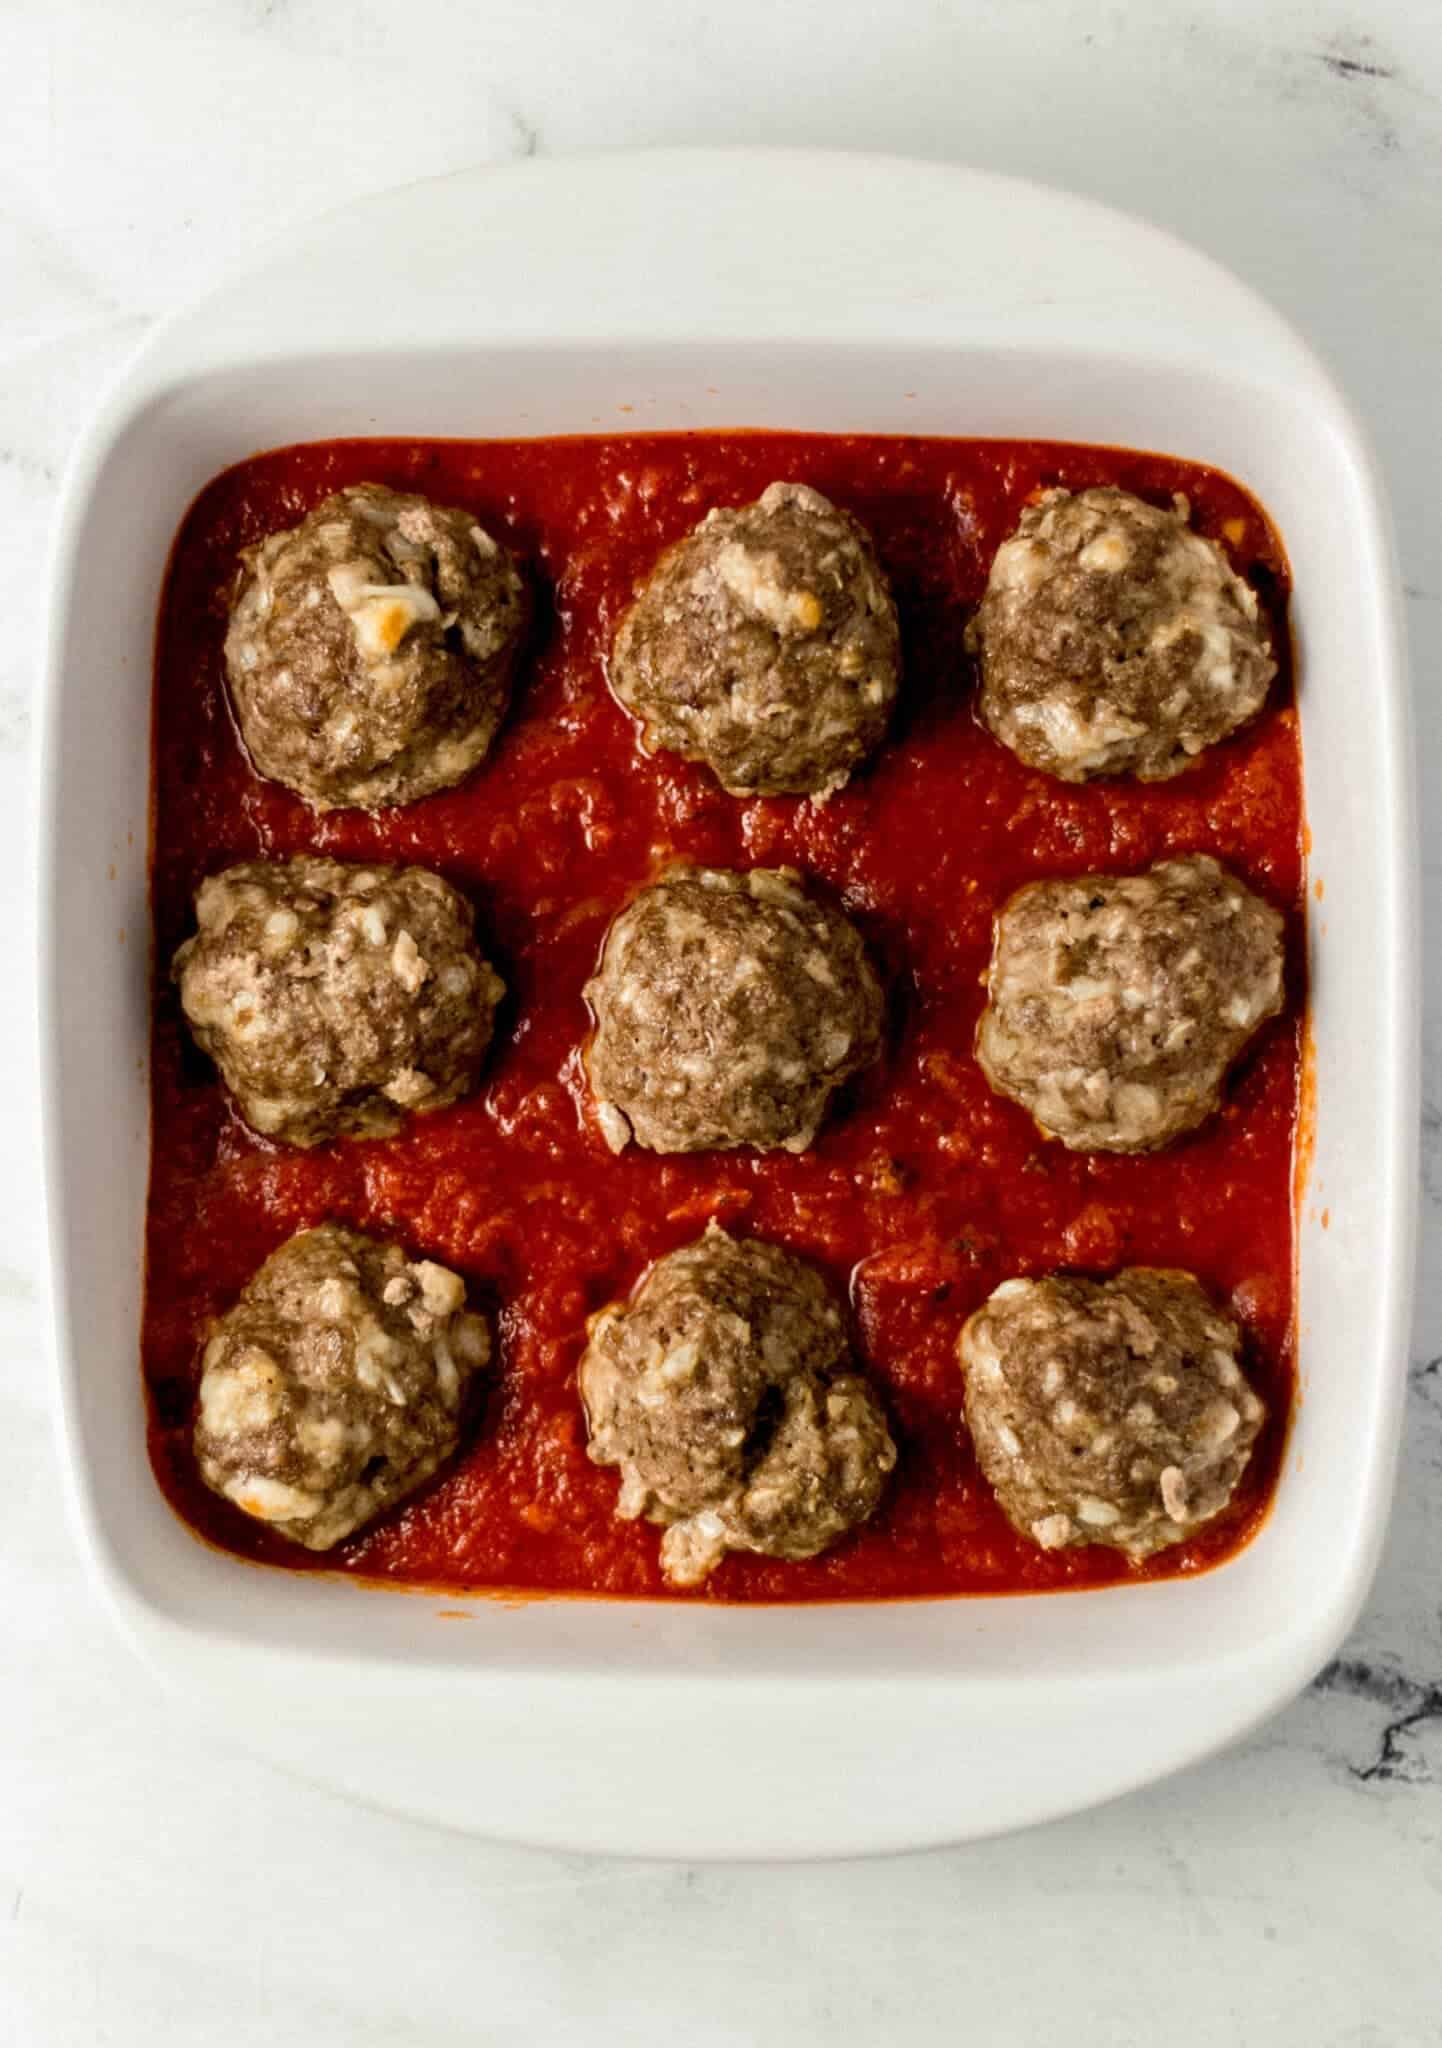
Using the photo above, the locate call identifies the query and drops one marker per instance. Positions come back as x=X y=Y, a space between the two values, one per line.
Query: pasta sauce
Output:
x=923 y=1191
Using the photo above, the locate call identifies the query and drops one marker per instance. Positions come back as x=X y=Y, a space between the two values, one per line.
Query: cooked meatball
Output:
x=729 y=1008
x=1108 y=1411
x=726 y=1392
x=764 y=644
x=336 y=998
x=370 y=648
x=1116 y=641
x=335 y=1386
x=1117 y=1003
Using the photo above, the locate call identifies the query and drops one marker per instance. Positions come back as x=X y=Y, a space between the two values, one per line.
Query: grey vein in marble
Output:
x=1411 y=1705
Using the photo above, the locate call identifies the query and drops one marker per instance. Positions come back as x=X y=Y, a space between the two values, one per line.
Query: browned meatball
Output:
x=1118 y=1002
x=335 y=1385
x=336 y=998
x=1108 y=1411
x=729 y=1008
x=766 y=645
x=1116 y=641
x=371 y=647
x=725 y=1391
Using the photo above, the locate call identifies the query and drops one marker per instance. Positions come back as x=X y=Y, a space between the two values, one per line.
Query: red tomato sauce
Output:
x=924 y=1189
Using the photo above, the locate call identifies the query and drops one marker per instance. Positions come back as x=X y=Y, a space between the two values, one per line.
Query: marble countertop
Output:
x=153 y=1890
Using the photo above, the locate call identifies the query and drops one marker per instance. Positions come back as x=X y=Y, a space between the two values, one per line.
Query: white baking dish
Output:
x=757 y=289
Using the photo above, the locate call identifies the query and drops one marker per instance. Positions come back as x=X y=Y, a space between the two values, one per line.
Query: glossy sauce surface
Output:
x=924 y=1189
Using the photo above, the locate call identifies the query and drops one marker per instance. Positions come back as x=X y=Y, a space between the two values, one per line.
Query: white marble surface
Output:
x=153 y=1891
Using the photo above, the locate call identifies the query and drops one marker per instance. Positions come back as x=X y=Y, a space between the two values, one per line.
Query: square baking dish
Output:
x=678 y=290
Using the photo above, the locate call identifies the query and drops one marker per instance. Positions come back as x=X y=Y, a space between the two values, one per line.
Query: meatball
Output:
x=728 y=1008
x=1114 y=640
x=335 y=998
x=1108 y=1411
x=766 y=645
x=335 y=1385
x=1117 y=1003
x=370 y=648
x=726 y=1393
